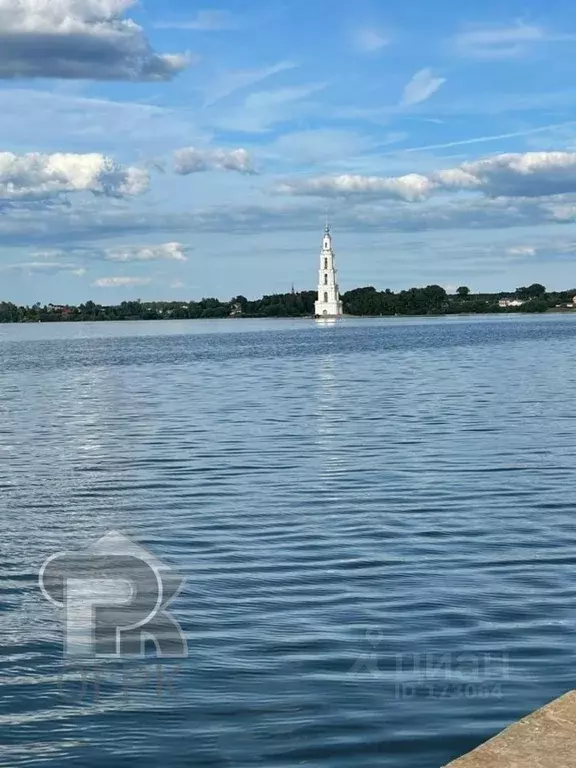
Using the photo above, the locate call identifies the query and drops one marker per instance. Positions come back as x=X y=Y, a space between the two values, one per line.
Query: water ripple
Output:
x=374 y=519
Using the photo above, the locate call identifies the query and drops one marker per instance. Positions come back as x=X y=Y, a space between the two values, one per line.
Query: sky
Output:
x=173 y=150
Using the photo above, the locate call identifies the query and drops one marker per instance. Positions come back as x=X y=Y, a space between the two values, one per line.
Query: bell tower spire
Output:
x=329 y=303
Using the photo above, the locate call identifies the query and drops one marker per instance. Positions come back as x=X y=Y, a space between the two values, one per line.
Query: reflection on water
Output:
x=375 y=519
x=329 y=422
x=324 y=321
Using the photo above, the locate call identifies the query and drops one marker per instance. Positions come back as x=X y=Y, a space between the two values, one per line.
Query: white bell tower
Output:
x=328 y=304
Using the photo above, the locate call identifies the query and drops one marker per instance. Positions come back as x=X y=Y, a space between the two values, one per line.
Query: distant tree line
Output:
x=434 y=300
x=431 y=300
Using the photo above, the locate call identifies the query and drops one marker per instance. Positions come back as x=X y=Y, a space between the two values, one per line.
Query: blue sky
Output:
x=173 y=150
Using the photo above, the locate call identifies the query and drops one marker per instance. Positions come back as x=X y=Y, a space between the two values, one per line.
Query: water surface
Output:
x=375 y=519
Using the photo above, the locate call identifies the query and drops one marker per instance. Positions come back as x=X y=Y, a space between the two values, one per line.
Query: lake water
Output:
x=375 y=518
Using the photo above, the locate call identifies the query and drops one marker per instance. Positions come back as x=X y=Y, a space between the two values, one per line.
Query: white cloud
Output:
x=203 y=21
x=504 y=42
x=193 y=160
x=79 y=39
x=370 y=40
x=76 y=259
x=45 y=267
x=421 y=87
x=521 y=250
x=121 y=282
x=549 y=248
x=166 y=251
x=531 y=174
x=411 y=187
x=35 y=176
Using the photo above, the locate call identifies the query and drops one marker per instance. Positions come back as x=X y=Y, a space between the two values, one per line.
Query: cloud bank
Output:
x=530 y=174
x=36 y=176
x=79 y=39
x=63 y=228
x=411 y=187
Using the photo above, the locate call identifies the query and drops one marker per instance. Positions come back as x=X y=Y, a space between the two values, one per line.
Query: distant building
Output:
x=510 y=303
x=329 y=303
x=236 y=309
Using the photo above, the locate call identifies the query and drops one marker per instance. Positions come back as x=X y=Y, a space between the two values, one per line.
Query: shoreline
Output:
x=429 y=301
x=70 y=321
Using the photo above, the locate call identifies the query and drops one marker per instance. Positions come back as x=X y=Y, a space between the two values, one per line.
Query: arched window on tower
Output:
x=325 y=298
x=325 y=263
x=325 y=278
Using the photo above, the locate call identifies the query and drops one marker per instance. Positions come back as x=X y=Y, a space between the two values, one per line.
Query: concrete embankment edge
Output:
x=544 y=739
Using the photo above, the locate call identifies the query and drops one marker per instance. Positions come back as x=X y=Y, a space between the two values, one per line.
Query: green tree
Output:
x=533 y=291
x=535 y=305
x=242 y=301
x=463 y=291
